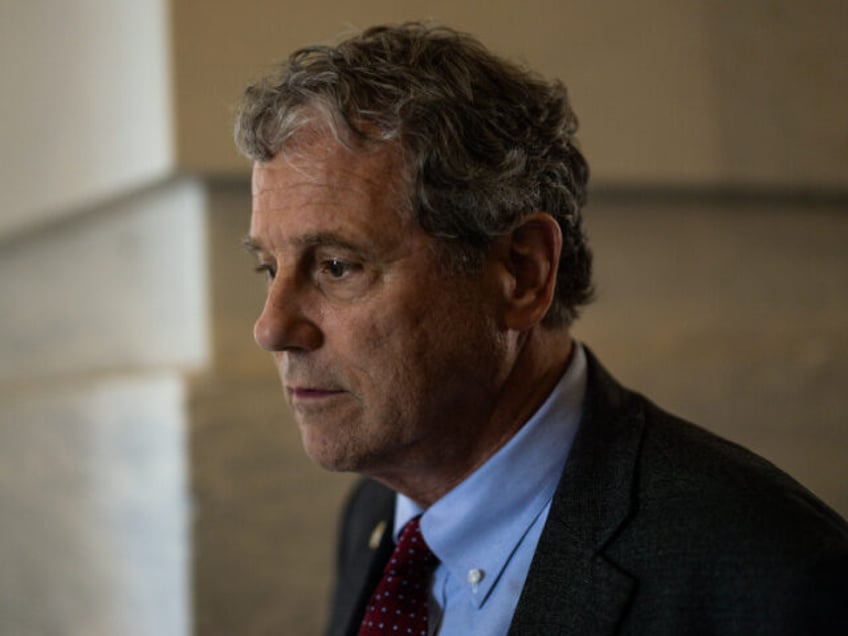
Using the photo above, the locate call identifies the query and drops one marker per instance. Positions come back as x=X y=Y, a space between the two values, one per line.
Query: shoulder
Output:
x=687 y=473
x=704 y=527
x=683 y=475
x=719 y=528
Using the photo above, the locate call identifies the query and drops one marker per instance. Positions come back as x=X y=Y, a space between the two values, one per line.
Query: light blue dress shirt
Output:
x=486 y=529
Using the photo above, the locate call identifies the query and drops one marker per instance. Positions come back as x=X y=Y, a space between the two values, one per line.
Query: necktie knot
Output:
x=399 y=602
x=412 y=554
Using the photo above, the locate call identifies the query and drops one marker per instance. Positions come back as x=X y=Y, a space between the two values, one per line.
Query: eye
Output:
x=267 y=270
x=337 y=268
x=342 y=279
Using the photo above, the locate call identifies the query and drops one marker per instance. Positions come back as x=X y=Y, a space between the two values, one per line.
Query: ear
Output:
x=530 y=255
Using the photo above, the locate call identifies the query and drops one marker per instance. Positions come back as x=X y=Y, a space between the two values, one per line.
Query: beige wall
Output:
x=107 y=96
x=668 y=92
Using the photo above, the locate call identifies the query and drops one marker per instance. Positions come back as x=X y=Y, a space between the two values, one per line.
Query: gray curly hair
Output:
x=487 y=142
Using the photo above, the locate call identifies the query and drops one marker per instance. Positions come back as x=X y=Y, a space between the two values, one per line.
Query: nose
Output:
x=283 y=324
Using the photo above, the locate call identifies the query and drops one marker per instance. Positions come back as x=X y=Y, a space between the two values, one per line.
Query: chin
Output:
x=330 y=454
x=334 y=464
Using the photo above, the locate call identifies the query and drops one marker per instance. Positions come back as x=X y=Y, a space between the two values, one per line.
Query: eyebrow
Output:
x=313 y=239
x=251 y=245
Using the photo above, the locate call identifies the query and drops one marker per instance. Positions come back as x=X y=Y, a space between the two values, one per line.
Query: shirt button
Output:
x=474 y=577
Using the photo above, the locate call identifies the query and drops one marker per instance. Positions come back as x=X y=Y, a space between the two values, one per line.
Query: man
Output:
x=417 y=211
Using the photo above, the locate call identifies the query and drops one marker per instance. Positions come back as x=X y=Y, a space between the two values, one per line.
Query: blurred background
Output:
x=151 y=480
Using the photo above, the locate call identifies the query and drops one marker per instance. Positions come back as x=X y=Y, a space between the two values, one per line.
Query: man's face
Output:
x=388 y=362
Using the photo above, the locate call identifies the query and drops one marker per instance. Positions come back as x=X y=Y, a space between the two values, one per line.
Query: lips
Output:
x=308 y=393
x=312 y=393
x=307 y=383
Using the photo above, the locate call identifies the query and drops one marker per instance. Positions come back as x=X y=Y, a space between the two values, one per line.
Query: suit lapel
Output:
x=571 y=587
x=371 y=560
x=364 y=548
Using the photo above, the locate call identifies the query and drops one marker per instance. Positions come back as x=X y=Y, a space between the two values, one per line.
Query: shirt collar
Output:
x=480 y=523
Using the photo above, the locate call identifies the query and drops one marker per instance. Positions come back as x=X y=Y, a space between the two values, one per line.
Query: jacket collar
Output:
x=571 y=587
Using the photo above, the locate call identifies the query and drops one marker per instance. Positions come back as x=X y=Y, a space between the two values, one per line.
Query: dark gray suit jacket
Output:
x=656 y=527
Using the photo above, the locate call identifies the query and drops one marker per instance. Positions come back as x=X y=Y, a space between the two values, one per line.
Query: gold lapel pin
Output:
x=377 y=535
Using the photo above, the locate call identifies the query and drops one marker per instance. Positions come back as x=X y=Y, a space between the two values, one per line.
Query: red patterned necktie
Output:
x=399 y=602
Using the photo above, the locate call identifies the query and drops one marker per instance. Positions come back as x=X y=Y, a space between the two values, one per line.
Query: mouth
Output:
x=311 y=394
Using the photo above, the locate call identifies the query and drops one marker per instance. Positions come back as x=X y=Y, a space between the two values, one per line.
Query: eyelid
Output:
x=269 y=271
x=341 y=253
x=353 y=281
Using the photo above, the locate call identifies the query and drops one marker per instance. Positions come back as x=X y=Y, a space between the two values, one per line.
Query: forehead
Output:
x=319 y=184
x=323 y=164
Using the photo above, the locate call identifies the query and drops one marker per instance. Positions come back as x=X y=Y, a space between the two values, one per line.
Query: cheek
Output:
x=388 y=356
x=401 y=351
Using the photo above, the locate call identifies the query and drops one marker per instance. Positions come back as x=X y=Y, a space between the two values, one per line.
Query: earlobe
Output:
x=532 y=251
